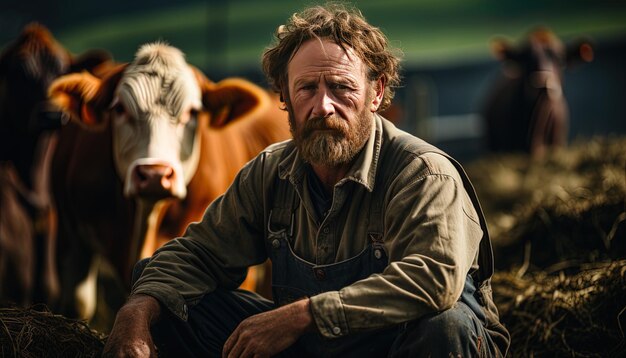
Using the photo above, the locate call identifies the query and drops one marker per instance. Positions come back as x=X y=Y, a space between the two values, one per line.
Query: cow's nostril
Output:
x=154 y=179
x=141 y=173
x=153 y=172
x=168 y=172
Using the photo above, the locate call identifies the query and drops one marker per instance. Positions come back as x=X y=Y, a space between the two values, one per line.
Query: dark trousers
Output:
x=456 y=332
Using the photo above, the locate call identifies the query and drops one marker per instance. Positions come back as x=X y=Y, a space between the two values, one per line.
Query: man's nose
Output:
x=324 y=105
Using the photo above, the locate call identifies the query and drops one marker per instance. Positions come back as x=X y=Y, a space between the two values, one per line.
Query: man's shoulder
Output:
x=276 y=152
x=400 y=144
x=279 y=147
x=397 y=140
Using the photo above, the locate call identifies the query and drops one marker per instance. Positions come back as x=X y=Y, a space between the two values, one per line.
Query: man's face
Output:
x=330 y=102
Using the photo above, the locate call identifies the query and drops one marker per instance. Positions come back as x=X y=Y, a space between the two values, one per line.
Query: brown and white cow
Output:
x=27 y=67
x=152 y=143
x=525 y=110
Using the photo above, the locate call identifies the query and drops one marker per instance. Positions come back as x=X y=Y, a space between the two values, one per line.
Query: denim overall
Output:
x=294 y=278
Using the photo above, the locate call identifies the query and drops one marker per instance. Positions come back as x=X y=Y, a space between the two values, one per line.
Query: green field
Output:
x=429 y=32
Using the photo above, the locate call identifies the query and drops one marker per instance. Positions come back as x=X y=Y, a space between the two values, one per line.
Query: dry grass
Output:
x=565 y=315
x=569 y=207
x=559 y=234
x=36 y=332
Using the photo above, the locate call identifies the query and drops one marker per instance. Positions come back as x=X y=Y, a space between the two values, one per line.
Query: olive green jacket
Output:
x=431 y=234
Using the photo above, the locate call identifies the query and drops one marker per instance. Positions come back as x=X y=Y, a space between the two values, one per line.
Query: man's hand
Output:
x=268 y=333
x=130 y=336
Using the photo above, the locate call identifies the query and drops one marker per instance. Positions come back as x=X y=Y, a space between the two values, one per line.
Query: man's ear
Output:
x=379 y=93
x=231 y=99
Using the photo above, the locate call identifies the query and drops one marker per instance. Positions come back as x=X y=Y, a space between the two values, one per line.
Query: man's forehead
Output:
x=320 y=53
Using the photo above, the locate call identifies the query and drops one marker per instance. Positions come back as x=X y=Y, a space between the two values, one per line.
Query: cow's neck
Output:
x=147 y=216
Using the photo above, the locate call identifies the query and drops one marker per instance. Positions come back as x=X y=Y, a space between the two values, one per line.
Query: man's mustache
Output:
x=324 y=123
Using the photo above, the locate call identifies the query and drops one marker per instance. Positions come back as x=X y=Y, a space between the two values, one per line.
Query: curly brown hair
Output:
x=346 y=27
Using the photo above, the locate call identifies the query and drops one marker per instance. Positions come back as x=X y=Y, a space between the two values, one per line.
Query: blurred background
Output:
x=447 y=60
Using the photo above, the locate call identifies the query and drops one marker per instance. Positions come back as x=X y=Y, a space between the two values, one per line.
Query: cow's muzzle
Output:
x=156 y=181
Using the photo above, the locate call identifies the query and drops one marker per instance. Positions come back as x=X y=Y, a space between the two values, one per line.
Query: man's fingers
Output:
x=230 y=343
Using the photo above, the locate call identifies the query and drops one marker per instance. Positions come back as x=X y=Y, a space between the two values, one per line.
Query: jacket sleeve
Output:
x=213 y=252
x=432 y=234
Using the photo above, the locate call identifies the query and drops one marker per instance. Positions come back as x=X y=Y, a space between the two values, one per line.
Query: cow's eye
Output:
x=119 y=109
x=191 y=115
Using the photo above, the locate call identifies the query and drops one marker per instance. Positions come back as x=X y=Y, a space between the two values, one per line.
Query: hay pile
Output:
x=569 y=207
x=36 y=332
x=565 y=316
x=559 y=235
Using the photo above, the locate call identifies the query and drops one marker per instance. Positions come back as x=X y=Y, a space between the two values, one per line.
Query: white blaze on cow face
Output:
x=155 y=141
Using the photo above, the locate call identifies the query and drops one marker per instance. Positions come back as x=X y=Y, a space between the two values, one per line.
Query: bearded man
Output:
x=377 y=240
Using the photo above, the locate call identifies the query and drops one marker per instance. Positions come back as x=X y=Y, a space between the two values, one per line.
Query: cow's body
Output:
x=17 y=236
x=27 y=67
x=117 y=190
x=525 y=110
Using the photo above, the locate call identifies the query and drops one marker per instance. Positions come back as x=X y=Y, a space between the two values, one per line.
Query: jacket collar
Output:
x=363 y=170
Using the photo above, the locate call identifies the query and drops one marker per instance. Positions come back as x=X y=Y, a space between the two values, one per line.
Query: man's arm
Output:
x=271 y=332
x=130 y=336
x=213 y=252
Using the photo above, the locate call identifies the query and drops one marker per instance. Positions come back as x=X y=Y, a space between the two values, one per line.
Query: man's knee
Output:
x=451 y=333
x=210 y=323
x=452 y=324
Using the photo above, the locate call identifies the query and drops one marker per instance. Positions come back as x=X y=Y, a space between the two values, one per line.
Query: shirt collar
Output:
x=363 y=171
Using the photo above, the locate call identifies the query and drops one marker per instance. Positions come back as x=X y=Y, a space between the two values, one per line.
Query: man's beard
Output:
x=338 y=144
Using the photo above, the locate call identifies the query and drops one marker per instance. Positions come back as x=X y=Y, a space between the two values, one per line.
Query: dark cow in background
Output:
x=151 y=144
x=525 y=111
x=27 y=221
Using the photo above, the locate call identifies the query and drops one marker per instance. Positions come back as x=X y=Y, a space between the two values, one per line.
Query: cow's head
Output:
x=27 y=67
x=154 y=107
x=541 y=57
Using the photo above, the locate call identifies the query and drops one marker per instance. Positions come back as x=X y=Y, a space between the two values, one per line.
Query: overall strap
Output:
x=284 y=200
x=387 y=172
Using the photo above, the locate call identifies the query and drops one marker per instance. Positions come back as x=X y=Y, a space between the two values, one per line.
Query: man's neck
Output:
x=329 y=176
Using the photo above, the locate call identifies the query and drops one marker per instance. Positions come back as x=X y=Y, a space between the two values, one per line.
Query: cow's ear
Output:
x=232 y=99
x=579 y=50
x=501 y=49
x=89 y=60
x=74 y=94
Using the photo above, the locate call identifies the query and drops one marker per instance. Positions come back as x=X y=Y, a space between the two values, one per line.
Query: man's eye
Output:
x=339 y=87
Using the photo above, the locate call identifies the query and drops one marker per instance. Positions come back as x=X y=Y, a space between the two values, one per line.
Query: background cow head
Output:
x=541 y=57
x=27 y=67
